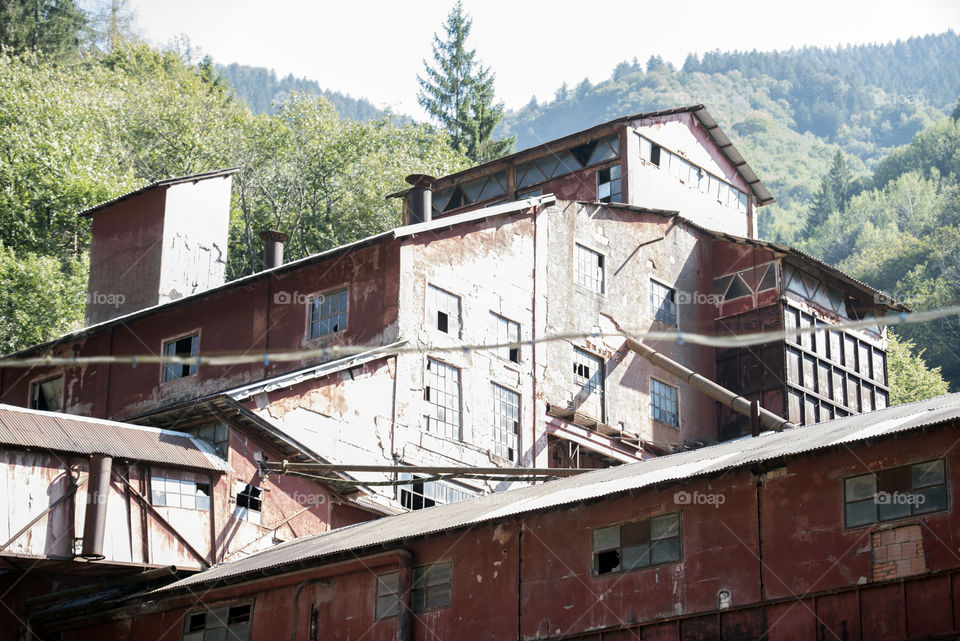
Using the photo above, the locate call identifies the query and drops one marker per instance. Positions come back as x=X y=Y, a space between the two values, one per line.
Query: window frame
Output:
x=891 y=471
x=245 y=515
x=676 y=412
x=187 y=634
x=423 y=482
x=578 y=275
x=35 y=386
x=192 y=369
x=194 y=431
x=394 y=609
x=432 y=308
x=426 y=424
x=499 y=321
x=601 y=369
x=654 y=309
x=618 y=194
x=322 y=297
x=620 y=547
x=176 y=475
x=496 y=421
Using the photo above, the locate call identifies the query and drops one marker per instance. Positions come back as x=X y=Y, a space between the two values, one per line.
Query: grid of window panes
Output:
x=442 y=394
x=895 y=493
x=430 y=590
x=588 y=378
x=443 y=309
x=328 y=313
x=608 y=185
x=216 y=434
x=557 y=164
x=419 y=494
x=505 y=332
x=474 y=191
x=179 y=489
x=249 y=502
x=185 y=347
x=830 y=373
x=663 y=403
x=47 y=395
x=663 y=303
x=692 y=175
x=506 y=421
x=640 y=544
x=588 y=268
x=227 y=622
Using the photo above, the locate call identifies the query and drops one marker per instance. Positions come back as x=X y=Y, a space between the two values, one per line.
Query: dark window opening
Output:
x=443 y=322
x=583 y=152
x=219 y=623
x=239 y=614
x=196 y=621
x=250 y=498
x=515 y=354
x=608 y=561
x=895 y=493
x=655 y=154
x=46 y=395
x=414 y=499
x=185 y=347
x=640 y=544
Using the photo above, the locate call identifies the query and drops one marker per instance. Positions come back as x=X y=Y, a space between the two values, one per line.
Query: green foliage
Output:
x=909 y=376
x=457 y=91
x=51 y=27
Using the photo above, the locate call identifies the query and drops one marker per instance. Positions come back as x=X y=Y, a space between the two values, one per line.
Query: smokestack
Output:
x=420 y=198
x=95 y=515
x=273 y=248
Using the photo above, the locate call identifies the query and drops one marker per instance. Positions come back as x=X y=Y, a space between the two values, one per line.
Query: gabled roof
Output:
x=55 y=432
x=652 y=473
x=160 y=183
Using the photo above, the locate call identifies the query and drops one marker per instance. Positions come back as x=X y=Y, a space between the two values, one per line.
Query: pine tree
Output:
x=457 y=91
x=841 y=180
x=51 y=27
x=824 y=204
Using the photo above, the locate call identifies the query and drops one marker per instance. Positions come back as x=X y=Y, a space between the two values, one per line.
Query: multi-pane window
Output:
x=249 y=502
x=419 y=494
x=443 y=309
x=640 y=544
x=588 y=268
x=506 y=332
x=663 y=303
x=215 y=434
x=588 y=383
x=608 y=185
x=506 y=421
x=895 y=493
x=47 y=394
x=442 y=394
x=223 y=623
x=185 y=347
x=431 y=589
x=179 y=489
x=560 y=163
x=328 y=313
x=663 y=403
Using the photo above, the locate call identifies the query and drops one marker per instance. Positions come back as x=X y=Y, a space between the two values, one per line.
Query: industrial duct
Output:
x=95 y=515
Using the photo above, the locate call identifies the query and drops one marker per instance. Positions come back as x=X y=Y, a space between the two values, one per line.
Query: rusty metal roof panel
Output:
x=55 y=432
x=713 y=459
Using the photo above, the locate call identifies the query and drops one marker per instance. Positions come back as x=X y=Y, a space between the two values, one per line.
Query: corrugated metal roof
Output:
x=160 y=183
x=33 y=429
x=686 y=465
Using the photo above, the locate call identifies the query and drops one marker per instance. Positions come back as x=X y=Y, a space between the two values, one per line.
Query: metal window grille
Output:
x=663 y=403
x=506 y=331
x=182 y=347
x=442 y=394
x=663 y=303
x=444 y=309
x=328 y=313
x=588 y=268
x=506 y=421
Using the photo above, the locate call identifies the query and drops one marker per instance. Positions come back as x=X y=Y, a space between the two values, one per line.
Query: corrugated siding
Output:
x=63 y=433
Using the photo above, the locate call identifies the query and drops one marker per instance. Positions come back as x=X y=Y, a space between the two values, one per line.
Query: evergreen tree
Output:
x=824 y=204
x=457 y=91
x=841 y=180
x=52 y=27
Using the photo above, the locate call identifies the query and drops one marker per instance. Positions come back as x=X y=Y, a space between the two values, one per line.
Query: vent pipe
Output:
x=419 y=203
x=273 y=247
x=95 y=515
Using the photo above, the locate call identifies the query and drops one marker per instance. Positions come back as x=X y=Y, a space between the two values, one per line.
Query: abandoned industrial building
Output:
x=576 y=266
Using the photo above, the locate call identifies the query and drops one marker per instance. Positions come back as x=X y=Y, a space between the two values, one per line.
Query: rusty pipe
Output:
x=273 y=248
x=95 y=514
x=703 y=384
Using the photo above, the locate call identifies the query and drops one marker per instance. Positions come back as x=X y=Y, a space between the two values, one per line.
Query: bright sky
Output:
x=375 y=48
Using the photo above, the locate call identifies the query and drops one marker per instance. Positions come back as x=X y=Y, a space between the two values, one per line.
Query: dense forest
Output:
x=860 y=145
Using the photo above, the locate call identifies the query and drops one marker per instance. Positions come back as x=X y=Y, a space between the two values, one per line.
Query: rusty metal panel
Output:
x=51 y=431
x=882 y=613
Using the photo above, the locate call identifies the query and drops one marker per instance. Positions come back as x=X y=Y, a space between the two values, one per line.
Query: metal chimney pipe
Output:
x=95 y=515
x=420 y=198
x=273 y=247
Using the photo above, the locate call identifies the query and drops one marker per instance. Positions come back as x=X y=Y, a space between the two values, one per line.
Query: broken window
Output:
x=663 y=303
x=216 y=434
x=471 y=192
x=431 y=589
x=640 y=544
x=505 y=333
x=249 y=502
x=588 y=268
x=328 y=313
x=588 y=383
x=185 y=347
x=442 y=395
x=179 y=489
x=663 y=403
x=421 y=493
x=895 y=493
x=561 y=163
x=47 y=394
x=443 y=309
x=608 y=185
x=227 y=622
x=506 y=421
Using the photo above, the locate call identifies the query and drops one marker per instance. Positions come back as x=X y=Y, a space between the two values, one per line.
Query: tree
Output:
x=51 y=27
x=111 y=23
x=841 y=180
x=457 y=91
x=910 y=378
x=824 y=204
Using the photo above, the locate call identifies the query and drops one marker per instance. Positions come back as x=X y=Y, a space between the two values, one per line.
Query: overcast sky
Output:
x=375 y=49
